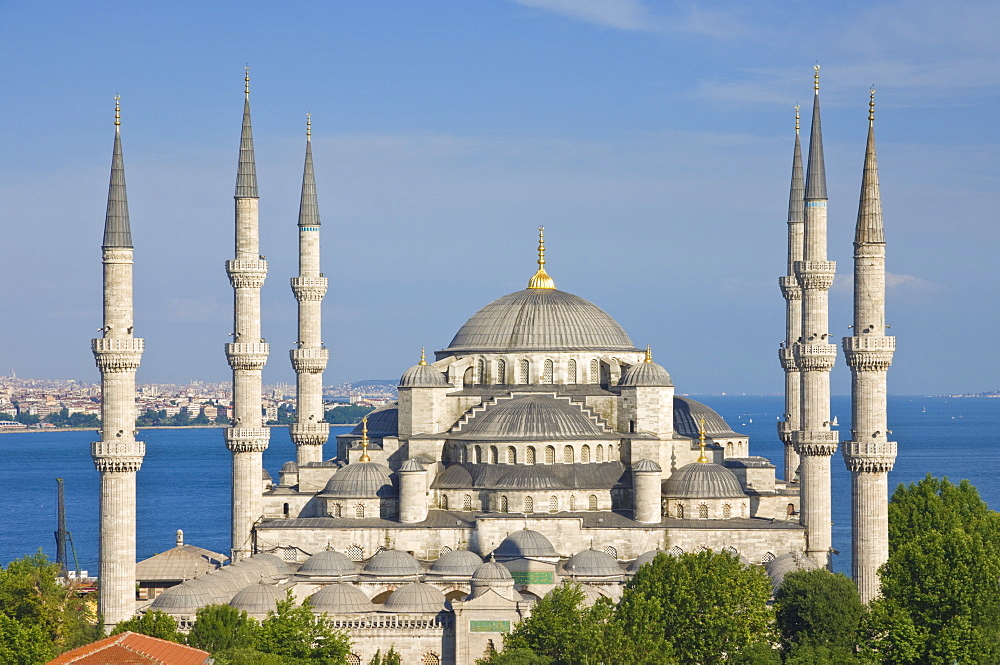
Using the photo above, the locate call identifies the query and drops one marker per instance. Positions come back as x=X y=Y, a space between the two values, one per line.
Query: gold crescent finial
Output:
x=246 y=81
x=118 y=111
x=308 y=125
x=701 y=441
x=816 y=78
x=541 y=279
x=364 y=441
x=797 y=118
x=649 y=354
x=871 y=106
x=423 y=358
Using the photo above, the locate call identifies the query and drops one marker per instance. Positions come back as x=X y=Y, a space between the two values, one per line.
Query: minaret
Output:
x=792 y=293
x=247 y=437
x=117 y=455
x=869 y=454
x=815 y=442
x=309 y=359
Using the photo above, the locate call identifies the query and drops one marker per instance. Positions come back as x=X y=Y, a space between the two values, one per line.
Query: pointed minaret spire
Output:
x=816 y=175
x=117 y=232
x=246 y=174
x=869 y=228
x=308 y=206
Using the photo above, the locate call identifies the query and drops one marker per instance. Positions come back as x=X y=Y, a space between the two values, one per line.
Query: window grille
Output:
x=359 y=510
x=511 y=455
x=600 y=453
x=595 y=371
x=503 y=504
x=592 y=502
x=572 y=504
x=611 y=551
x=525 y=371
x=553 y=504
x=444 y=502
x=467 y=502
x=568 y=454
x=679 y=511
x=479 y=455
x=703 y=512
x=550 y=455
x=337 y=510
x=585 y=454
x=547 y=371
x=353 y=659
x=767 y=557
x=529 y=504
x=355 y=553
x=494 y=455
x=430 y=658
x=727 y=511
x=675 y=551
x=571 y=372
x=501 y=371
x=529 y=455
x=481 y=371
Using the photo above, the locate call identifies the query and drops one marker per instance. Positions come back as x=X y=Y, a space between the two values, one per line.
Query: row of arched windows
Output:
x=524 y=375
x=553 y=504
x=493 y=454
x=466 y=502
x=727 y=511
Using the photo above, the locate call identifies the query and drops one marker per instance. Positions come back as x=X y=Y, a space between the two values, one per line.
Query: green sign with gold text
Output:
x=489 y=626
x=533 y=577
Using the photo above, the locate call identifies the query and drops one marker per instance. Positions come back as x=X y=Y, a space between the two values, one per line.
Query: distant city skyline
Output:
x=445 y=133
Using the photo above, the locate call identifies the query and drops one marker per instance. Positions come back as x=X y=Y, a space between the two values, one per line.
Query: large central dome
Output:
x=539 y=320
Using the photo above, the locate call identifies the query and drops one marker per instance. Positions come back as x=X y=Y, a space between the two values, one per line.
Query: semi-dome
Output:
x=360 y=480
x=646 y=374
x=533 y=418
x=688 y=415
x=780 y=566
x=382 y=422
x=525 y=543
x=647 y=466
x=457 y=563
x=393 y=563
x=703 y=480
x=415 y=598
x=412 y=465
x=183 y=599
x=539 y=320
x=328 y=563
x=423 y=376
x=340 y=599
x=591 y=563
x=258 y=599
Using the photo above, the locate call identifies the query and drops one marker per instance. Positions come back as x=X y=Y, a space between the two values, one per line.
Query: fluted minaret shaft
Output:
x=247 y=437
x=792 y=293
x=309 y=359
x=869 y=454
x=814 y=355
x=117 y=456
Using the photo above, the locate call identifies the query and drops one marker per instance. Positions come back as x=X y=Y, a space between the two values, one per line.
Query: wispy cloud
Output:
x=619 y=14
x=894 y=284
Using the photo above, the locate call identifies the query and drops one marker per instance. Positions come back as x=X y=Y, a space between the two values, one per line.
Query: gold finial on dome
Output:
x=118 y=111
x=423 y=357
x=649 y=354
x=702 y=459
x=871 y=106
x=541 y=279
x=246 y=80
x=796 y=118
x=816 y=78
x=364 y=441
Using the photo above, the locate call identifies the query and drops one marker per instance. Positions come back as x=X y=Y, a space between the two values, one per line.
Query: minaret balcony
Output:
x=875 y=456
x=813 y=275
x=869 y=353
x=246 y=273
x=815 y=357
x=309 y=288
x=816 y=442
x=117 y=456
x=787 y=357
x=118 y=354
x=309 y=434
x=790 y=288
x=247 y=439
x=309 y=360
x=247 y=355
x=785 y=430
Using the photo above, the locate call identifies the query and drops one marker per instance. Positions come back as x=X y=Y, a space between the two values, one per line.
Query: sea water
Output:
x=185 y=481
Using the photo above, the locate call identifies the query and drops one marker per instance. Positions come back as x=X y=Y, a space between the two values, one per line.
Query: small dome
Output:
x=289 y=467
x=328 y=563
x=646 y=466
x=275 y=563
x=646 y=374
x=642 y=560
x=703 y=480
x=529 y=477
x=340 y=599
x=258 y=599
x=533 y=418
x=264 y=475
x=393 y=563
x=688 y=415
x=183 y=599
x=364 y=480
x=412 y=465
x=423 y=376
x=780 y=566
x=591 y=563
x=525 y=543
x=457 y=563
x=415 y=598
x=382 y=422
x=492 y=573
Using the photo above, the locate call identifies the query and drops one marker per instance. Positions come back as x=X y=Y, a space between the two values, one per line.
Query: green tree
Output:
x=154 y=623
x=248 y=656
x=219 y=627
x=391 y=657
x=695 y=608
x=344 y=415
x=804 y=654
x=294 y=631
x=201 y=418
x=817 y=608
x=23 y=643
x=519 y=656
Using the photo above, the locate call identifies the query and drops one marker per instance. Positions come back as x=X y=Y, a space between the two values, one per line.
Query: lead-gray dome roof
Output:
x=646 y=374
x=360 y=480
x=392 y=563
x=539 y=320
x=183 y=599
x=525 y=543
x=340 y=599
x=415 y=598
x=688 y=414
x=642 y=560
x=492 y=573
x=457 y=562
x=780 y=566
x=328 y=563
x=382 y=422
x=591 y=563
x=529 y=477
x=533 y=418
x=703 y=480
x=423 y=376
x=258 y=599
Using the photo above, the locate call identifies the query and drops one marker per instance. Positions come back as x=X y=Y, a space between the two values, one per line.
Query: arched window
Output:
x=727 y=511
x=481 y=371
x=592 y=502
x=553 y=504
x=353 y=659
x=572 y=504
x=337 y=510
x=767 y=557
x=611 y=551
x=529 y=504
x=595 y=371
x=444 y=502
x=355 y=553
x=529 y=455
x=359 y=510
x=525 y=372
x=494 y=455
x=503 y=504
x=467 y=502
x=585 y=454
x=547 y=371
x=550 y=455
x=511 y=455
x=568 y=454
x=679 y=511
x=790 y=510
x=501 y=371
x=675 y=551
x=571 y=372
x=729 y=449
x=703 y=512
x=600 y=453
x=284 y=510
x=731 y=551
x=430 y=658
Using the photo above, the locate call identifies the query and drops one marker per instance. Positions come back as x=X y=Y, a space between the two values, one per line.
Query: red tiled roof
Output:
x=133 y=649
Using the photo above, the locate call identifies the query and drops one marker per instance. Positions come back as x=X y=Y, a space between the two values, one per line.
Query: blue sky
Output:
x=652 y=139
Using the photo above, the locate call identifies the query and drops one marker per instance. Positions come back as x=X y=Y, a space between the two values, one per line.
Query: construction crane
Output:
x=63 y=536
